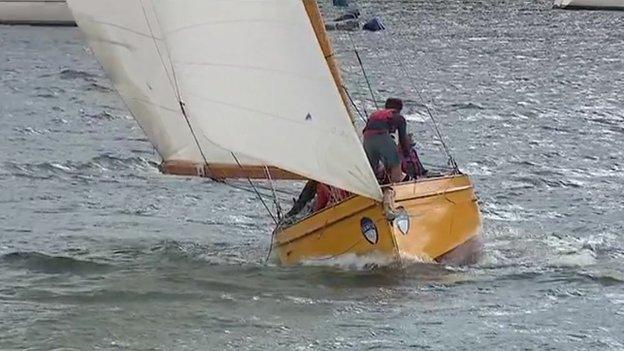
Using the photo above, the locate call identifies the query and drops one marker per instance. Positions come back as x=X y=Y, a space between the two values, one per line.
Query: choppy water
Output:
x=100 y=251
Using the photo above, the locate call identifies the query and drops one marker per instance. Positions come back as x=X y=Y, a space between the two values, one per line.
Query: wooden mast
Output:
x=316 y=20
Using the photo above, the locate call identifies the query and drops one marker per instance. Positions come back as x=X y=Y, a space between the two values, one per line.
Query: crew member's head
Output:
x=394 y=104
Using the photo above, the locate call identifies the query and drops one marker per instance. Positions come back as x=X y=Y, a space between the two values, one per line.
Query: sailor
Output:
x=307 y=195
x=410 y=162
x=327 y=195
x=378 y=143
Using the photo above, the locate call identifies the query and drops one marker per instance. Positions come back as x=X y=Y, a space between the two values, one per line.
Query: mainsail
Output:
x=125 y=37
x=249 y=76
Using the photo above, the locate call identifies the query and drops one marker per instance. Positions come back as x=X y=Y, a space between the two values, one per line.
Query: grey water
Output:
x=99 y=251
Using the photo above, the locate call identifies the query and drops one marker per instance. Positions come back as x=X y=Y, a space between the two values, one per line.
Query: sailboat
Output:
x=40 y=12
x=590 y=4
x=251 y=89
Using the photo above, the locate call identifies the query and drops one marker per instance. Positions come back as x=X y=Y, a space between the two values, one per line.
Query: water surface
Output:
x=100 y=251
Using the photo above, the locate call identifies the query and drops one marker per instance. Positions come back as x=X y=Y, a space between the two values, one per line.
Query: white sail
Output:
x=251 y=75
x=125 y=36
x=254 y=80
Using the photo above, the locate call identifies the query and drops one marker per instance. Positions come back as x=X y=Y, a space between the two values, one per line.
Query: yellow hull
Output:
x=443 y=214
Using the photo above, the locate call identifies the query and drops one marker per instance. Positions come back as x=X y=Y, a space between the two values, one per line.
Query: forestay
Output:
x=251 y=76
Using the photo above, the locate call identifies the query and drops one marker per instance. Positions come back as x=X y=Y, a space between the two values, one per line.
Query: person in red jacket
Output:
x=378 y=143
x=327 y=195
x=380 y=147
x=410 y=162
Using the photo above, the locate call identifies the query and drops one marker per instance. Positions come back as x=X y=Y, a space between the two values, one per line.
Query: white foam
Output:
x=479 y=116
x=407 y=259
x=616 y=299
x=476 y=169
x=61 y=167
x=416 y=117
x=352 y=261
x=569 y=252
x=504 y=212
x=575 y=259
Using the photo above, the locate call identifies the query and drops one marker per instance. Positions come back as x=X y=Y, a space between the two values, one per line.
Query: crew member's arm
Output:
x=402 y=129
x=323 y=195
x=308 y=193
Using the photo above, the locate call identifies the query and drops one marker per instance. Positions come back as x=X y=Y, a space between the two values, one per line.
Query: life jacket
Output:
x=410 y=164
x=379 y=122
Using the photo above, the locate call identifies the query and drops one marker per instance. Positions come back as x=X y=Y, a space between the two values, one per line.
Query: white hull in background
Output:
x=52 y=12
x=590 y=4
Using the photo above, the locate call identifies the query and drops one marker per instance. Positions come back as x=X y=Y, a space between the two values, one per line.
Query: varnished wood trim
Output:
x=224 y=171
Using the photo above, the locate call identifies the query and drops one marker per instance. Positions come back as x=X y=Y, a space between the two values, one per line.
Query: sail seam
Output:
x=147 y=102
x=253 y=68
x=174 y=82
x=160 y=56
x=249 y=109
x=181 y=29
x=121 y=27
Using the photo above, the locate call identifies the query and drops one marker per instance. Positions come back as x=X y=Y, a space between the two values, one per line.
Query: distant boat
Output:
x=50 y=12
x=236 y=89
x=590 y=4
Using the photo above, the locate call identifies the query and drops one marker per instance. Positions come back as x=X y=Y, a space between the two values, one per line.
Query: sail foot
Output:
x=224 y=171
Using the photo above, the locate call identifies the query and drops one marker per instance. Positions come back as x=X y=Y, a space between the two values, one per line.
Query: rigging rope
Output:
x=412 y=82
x=201 y=151
x=268 y=256
x=368 y=83
x=362 y=117
x=256 y=191
x=451 y=159
x=280 y=191
x=278 y=208
x=174 y=83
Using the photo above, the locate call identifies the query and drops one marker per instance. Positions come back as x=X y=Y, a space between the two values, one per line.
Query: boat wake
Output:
x=353 y=262
x=69 y=74
x=42 y=263
x=196 y=254
x=564 y=256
